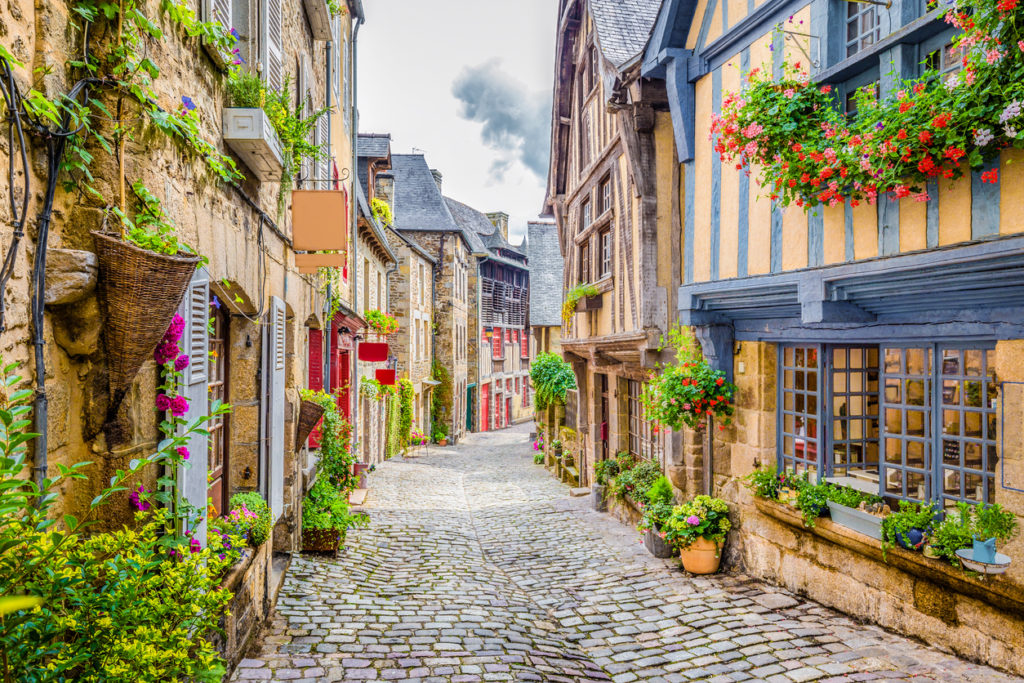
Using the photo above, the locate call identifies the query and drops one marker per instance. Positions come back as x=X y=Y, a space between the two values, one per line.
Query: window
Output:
x=798 y=447
x=863 y=27
x=918 y=421
x=592 y=68
x=605 y=253
x=586 y=217
x=585 y=262
x=605 y=195
x=423 y=285
x=644 y=441
x=850 y=101
x=944 y=57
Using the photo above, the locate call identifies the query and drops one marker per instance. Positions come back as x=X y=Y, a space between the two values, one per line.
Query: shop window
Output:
x=853 y=384
x=798 y=432
x=906 y=423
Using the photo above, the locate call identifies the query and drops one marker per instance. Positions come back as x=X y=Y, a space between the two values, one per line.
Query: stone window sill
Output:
x=1000 y=591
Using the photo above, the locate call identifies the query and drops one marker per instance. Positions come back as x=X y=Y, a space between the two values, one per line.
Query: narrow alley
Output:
x=478 y=566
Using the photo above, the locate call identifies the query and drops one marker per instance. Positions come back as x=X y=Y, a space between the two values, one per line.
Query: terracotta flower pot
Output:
x=702 y=556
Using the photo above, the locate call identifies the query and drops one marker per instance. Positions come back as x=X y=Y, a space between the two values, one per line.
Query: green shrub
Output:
x=920 y=516
x=660 y=491
x=326 y=507
x=763 y=483
x=406 y=393
x=605 y=470
x=336 y=456
x=256 y=529
x=552 y=378
x=538 y=458
x=636 y=481
x=658 y=507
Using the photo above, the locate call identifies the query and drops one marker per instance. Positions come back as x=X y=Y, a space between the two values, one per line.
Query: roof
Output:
x=364 y=209
x=546 y=266
x=374 y=145
x=468 y=220
x=418 y=204
x=623 y=27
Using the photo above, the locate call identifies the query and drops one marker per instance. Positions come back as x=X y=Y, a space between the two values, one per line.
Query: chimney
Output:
x=384 y=188
x=437 y=178
x=500 y=220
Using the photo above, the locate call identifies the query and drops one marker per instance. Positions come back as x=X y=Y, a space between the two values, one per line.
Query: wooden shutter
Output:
x=316 y=376
x=323 y=174
x=496 y=343
x=195 y=309
x=218 y=11
x=524 y=350
x=271 y=45
x=272 y=470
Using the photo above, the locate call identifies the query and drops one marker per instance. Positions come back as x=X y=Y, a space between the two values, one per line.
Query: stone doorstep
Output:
x=994 y=590
x=358 y=496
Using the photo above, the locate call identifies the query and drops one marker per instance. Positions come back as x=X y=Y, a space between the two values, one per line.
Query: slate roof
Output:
x=374 y=145
x=623 y=27
x=482 y=232
x=546 y=266
x=418 y=202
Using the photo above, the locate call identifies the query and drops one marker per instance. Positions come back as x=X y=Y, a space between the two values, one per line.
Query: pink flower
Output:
x=136 y=500
x=163 y=402
x=179 y=406
x=789 y=92
x=992 y=56
x=693 y=520
x=165 y=352
x=194 y=546
x=183 y=452
x=175 y=329
x=181 y=363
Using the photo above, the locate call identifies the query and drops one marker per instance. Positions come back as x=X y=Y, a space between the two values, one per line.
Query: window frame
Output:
x=604 y=251
x=934 y=465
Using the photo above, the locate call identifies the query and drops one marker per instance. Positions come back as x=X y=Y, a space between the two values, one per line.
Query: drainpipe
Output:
x=354 y=214
x=433 y=315
x=327 y=326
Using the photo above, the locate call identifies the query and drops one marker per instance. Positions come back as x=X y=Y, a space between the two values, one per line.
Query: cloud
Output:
x=516 y=122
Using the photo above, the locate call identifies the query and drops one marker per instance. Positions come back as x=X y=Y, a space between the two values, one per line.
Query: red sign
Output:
x=373 y=352
x=386 y=377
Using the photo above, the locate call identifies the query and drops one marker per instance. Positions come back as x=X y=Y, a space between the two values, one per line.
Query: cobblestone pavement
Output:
x=477 y=566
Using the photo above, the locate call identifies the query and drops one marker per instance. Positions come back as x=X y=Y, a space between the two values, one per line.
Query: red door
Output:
x=485 y=412
x=344 y=379
x=316 y=375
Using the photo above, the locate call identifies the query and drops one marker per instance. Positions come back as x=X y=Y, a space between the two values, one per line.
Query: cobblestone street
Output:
x=478 y=566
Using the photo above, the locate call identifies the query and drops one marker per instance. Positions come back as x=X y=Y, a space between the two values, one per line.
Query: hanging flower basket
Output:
x=140 y=291
x=310 y=413
x=373 y=352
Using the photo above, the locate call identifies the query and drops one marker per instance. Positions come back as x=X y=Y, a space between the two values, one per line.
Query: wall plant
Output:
x=552 y=379
x=808 y=153
x=573 y=296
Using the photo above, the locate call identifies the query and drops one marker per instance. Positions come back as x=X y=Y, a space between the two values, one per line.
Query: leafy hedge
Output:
x=552 y=378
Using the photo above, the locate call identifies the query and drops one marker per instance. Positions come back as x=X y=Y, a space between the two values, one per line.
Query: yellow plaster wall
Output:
x=715 y=25
x=1011 y=192
x=955 y=211
x=737 y=11
x=835 y=233
x=794 y=238
x=865 y=230
x=702 y=183
x=759 y=228
x=913 y=225
x=728 y=227
x=698 y=19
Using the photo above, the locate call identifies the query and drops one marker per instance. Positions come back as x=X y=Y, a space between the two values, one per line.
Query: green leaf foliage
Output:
x=552 y=378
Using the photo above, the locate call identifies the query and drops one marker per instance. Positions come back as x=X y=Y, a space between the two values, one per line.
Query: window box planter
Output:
x=319 y=18
x=589 y=303
x=857 y=520
x=322 y=540
x=1000 y=591
x=250 y=135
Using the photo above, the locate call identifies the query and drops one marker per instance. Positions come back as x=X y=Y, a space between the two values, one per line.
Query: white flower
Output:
x=983 y=136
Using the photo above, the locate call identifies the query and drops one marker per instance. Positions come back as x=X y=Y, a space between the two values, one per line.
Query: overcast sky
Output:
x=468 y=83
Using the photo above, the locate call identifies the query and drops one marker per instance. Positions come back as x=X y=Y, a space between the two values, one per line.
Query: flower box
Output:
x=858 y=520
x=319 y=18
x=322 y=540
x=250 y=135
x=658 y=546
x=589 y=303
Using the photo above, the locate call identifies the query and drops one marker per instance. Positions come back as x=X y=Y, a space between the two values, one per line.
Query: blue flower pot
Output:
x=911 y=540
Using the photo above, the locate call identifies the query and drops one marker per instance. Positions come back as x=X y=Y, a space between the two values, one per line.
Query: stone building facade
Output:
x=614 y=232
x=250 y=311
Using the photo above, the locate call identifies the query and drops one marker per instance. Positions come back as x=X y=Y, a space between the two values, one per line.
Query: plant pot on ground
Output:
x=326 y=518
x=698 y=528
x=140 y=291
x=656 y=511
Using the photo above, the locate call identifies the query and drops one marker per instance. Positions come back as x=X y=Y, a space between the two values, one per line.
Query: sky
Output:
x=467 y=83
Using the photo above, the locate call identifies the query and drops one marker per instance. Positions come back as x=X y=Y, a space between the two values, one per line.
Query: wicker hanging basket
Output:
x=310 y=413
x=140 y=291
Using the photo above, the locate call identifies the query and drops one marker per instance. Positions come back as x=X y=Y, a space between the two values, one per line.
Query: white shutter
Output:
x=323 y=173
x=271 y=46
x=272 y=472
x=195 y=309
x=218 y=11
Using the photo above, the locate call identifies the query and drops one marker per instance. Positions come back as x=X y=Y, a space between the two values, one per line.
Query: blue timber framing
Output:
x=975 y=291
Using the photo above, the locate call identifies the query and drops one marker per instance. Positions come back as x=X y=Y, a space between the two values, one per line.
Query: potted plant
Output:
x=253 y=516
x=657 y=509
x=311 y=411
x=909 y=526
x=688 y=392
x=440 y=434
x=380 y=322
x=326 y=518
x=698 y=528
x=862 y=512
x=586 y=293
x=604 y=471
x=967 y=537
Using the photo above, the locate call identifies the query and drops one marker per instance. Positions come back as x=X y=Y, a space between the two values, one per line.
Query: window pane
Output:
x=798 y=422
x=969 y=426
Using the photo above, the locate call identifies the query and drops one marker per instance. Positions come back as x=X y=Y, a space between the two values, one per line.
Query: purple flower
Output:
x=175 y=329
x=215 y=302
x=165 y=352
x=693 y=520
x=187 y=102
x=183 y=452
x=234 y=34
x=179 y=406
x=181 y=363
x=194 y=546
x=879 y=125
x=136 y=500
x=163 y=402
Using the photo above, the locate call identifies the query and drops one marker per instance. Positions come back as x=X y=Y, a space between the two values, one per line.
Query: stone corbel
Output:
x=716 y=341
